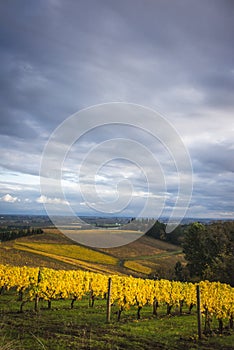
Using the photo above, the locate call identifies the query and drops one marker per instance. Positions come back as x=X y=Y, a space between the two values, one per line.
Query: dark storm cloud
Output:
x=60 y=56
x=87 y=48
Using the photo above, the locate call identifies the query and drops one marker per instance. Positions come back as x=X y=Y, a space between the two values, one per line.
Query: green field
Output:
x=85 y=327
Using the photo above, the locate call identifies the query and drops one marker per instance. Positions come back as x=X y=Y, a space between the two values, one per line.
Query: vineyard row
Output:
x=217 y=299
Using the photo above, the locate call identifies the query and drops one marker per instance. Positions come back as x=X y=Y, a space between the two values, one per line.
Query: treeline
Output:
x=158 y=231
x=208 y=249
x=8 y=233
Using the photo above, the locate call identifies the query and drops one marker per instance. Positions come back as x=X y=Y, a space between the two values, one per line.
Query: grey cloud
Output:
x=213 y=158
x=57 y=58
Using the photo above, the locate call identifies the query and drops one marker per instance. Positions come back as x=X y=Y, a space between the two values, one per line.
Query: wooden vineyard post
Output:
x=108 y=306
x=36 y=308
x=199 y=319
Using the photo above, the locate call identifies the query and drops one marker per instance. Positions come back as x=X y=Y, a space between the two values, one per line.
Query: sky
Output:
x=59 y=57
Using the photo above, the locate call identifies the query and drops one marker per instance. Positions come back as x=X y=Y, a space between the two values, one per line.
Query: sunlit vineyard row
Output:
x=217 y=299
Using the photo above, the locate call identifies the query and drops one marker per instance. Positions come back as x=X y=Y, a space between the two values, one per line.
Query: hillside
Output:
x=144 y=257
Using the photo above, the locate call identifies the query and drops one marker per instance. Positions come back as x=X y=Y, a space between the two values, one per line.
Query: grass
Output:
x=85 y=328
x=158 y=255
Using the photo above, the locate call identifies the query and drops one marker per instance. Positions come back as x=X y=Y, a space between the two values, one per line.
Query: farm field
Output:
x=107 y=237
x=141 y=258
x=84 y=328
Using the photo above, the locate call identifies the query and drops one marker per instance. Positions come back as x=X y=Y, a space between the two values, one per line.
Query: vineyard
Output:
x=35 y=285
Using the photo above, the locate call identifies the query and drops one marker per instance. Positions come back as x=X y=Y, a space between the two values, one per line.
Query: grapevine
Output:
x=49 y=284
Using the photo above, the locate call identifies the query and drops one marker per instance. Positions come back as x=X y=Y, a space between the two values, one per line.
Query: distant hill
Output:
x=146 y=257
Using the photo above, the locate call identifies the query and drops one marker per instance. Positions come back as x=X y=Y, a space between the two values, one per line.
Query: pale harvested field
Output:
x=101 y=238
